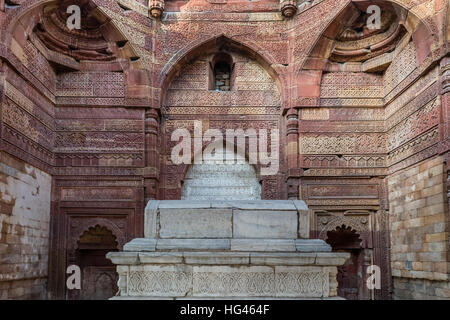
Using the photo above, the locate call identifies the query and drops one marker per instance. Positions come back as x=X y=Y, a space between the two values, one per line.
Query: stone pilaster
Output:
x=445 y=101
x=292 y=153
x=151 y=173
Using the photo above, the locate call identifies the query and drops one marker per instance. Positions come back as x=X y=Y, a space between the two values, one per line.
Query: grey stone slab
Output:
x=300 y=205
x=216 y=258
x=161 y=257
x=195 y=223
x=331 y=258
x=140 y=244
x=193 y=244
x=181 y=204
x=312 y=245
x=151 y=211
x=222 y=203
x=262 y=245
x=265 y=224
x=288 y=259
x=279 y=205
x=303 y=224
x=123 y=258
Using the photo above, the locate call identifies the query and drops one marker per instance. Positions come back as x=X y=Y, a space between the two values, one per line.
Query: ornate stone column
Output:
x=292 y=153
x=151 y=173
x=156 y=8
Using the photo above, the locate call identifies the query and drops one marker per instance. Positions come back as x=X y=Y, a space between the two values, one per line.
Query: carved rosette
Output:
x=156 y=8
x=288 y=8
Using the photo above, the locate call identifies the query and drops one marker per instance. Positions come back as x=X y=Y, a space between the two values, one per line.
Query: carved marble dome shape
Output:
x=221 y=180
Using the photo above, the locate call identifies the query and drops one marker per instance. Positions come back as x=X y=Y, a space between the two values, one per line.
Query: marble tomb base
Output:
x=227 y=249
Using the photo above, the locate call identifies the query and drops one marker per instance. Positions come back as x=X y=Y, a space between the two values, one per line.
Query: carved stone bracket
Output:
x=156 y=8
x=288 y=8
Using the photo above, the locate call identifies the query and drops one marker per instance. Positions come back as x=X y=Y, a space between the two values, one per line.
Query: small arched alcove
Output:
x=221 y=68
x=99 y=280
x=350 y=275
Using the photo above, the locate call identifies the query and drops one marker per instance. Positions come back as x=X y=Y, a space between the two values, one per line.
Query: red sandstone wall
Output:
x=99 y=130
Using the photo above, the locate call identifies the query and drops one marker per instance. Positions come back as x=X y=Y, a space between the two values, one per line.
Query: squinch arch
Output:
x=345 y=40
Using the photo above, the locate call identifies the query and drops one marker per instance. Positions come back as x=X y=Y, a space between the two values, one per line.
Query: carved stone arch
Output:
x=99 y=278
x=83 y=225
x=350 y=276
x=84 y=241
x=206 y=44
x=360 y=221
x=344 y=233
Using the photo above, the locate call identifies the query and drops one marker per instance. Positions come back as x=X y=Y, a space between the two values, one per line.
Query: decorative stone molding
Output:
x=445 y=75
x=288 y=8
x=156 y=8
x=326 y=221
x=227 y=274
x=224 y=281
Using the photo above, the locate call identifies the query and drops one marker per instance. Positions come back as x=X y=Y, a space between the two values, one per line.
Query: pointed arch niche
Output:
x=246 y=97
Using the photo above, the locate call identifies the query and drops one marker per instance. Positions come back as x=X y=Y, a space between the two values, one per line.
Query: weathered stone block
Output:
x=126 y=258
x=262 y=245
x=140 y=244
x=265 y=224
x=160 y=257
x=151 y=212
x=195 y=223
x=217 y=258
x=286 y=258
x=312 y=245
x=193 y=244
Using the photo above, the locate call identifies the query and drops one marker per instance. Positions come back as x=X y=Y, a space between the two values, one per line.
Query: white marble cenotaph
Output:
x=212 y=249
